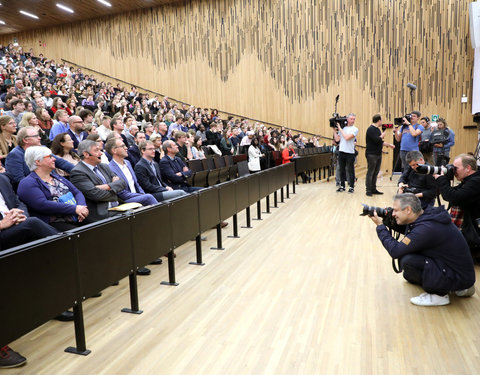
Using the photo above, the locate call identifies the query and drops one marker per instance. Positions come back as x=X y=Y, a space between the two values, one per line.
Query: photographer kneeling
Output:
x=433 y=252
x=422 y=185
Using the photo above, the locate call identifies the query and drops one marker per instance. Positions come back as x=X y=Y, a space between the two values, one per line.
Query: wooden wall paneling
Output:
x=285 y=61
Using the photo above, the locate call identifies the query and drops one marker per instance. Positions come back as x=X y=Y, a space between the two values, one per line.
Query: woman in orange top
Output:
x=288 y=153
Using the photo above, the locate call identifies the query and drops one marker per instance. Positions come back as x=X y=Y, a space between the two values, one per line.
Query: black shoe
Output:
x=9 y=358
x=66 y=316
x=341 y=189
x=377 y=192
x=143 y=271
x=351 y=190
x=115 y=283
x=157 y=261
x=369 y=194
x=99 y=294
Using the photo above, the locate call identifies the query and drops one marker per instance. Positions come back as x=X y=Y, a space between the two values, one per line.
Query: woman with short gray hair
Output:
x=50 y=197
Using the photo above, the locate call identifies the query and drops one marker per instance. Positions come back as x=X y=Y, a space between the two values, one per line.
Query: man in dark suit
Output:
x=96 y=181
x=76 y=130
x=16 y=168
x=122 y=168
x=150 y=177
x=16 y=227
x=174 y=170
x=133 y=151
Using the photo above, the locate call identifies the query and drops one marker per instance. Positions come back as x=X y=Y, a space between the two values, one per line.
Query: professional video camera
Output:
x=448 y=170
x=399 y=120
x=439 y=136
x=387 y=126
x=385 y=213
x=340 y=120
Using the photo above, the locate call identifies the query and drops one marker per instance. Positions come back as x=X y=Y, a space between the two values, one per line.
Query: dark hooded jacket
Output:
x=434 y=236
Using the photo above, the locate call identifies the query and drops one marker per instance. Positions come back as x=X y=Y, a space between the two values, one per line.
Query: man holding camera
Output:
x=422 y=185
x=408 y=136
x=432 y=253
x=346 y=155
x=464 y=198
x=374 y=144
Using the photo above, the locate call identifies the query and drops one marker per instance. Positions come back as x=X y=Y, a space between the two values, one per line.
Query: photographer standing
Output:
x=432 y=254
x=422 y=185
x=464 y=198
x=442 y=139
x=374 y=144
x=408 y=136
x=346 y=155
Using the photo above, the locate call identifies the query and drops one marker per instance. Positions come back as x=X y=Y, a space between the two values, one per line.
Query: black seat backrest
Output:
x=243 y=169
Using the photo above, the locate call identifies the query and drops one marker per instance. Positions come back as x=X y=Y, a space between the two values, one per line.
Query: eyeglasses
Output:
x=33 y=136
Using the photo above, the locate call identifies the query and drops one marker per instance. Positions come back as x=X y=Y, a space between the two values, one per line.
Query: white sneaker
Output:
x=426 y=299
x=466 y=292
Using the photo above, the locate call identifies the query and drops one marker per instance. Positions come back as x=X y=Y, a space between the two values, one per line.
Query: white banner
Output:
x=476 y=82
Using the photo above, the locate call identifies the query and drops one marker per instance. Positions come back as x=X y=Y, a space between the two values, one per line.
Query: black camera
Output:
x=439 y=136
x=385 y=213
x=399 y=120
x=340 y=120
x=448 y=170
x=387 y=126
x=409 y=189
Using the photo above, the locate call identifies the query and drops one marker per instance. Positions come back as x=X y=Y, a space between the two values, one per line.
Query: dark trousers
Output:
x=346 y=163
x=373 y=162
x=30 y=230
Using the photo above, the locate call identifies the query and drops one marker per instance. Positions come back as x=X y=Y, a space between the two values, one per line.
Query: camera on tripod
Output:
x=340 y=120
x=447 y=170
x=398 y=121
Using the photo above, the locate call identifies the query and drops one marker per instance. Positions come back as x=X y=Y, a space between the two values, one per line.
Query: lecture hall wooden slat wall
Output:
x=285 y=61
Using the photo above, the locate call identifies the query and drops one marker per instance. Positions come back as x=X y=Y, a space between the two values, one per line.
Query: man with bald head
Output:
x=76 y=130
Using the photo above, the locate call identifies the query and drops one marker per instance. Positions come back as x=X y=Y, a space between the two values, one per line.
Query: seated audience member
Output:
x=184 y=147
x=76 y=130
x=163 y=131
x=422 y=185
x=48 y=196
x=149 y=130
x=150 y=177
x=16 y=227
x=157 y=142
x=62 y=146
x=8 y=140
x=61 y=125
x=117 y=127
x=288 y=153
x=30 y=119
x=433 y=253
x=18 y=109
x=96 y=181
x=104 y=128
x=123 y=169
x=96 y=138
x=174 y=169
x=16 y=168
x=130 y=135
x=226 y=146
x=44 y=120
x=133 y=151
x=254 y=155
x=197 y=151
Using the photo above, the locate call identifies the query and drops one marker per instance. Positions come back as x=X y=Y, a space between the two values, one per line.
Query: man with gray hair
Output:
x=432 y=253
x=96 y=181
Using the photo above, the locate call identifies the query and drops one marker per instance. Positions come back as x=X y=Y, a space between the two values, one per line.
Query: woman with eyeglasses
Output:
x=8 y=141
x=48 y=196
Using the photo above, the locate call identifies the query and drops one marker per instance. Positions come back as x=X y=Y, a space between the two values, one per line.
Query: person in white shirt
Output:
x=346 y=157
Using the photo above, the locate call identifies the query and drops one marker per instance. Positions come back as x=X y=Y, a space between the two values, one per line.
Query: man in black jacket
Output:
x=149 y=175
x=433 y=252
x=464 y=198
x=373 y=152
x=423 y=186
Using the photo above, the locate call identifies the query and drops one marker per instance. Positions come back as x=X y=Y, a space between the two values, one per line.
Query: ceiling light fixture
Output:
x=66 y=9
x=29 y=14
x=105 y=3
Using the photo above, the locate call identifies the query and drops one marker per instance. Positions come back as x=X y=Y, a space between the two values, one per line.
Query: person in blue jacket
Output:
x=432 y=253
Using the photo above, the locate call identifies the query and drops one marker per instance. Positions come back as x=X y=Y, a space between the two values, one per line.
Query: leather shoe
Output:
x=99 y=294
x=66 y=316
x=157 y=261
x=143 y=271
x=369 y=194
x=377 y=192
x=223 y=224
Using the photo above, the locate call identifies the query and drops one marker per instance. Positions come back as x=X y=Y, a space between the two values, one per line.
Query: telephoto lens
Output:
x=448 y=170
x=369 y=211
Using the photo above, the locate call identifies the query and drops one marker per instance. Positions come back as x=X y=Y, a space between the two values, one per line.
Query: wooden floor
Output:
x=308 y=290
